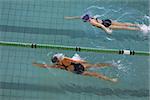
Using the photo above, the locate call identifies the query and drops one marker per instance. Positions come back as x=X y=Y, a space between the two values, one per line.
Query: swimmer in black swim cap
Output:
x=107 y=24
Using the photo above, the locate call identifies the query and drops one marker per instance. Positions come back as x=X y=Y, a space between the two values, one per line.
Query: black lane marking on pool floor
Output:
x=47 y=31
x=75 y=89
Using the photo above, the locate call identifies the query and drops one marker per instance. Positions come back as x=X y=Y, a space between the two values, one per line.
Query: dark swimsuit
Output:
x=106 y=22
x=78 y=68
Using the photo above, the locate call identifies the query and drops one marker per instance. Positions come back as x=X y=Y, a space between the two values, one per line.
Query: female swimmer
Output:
x=107 y=25
x=76 y=66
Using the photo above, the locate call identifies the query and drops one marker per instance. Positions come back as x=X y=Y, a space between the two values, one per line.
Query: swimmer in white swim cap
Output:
x=77 y=66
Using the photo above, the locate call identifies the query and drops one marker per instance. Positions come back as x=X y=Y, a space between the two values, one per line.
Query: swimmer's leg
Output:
x=97 y=65
x=72 y=17
x=100 y=76
x=114 y=27
x=123 y=24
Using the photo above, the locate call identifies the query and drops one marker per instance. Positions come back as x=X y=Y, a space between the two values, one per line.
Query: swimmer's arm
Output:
x=107 y=30
x=43 y=65
x=72 y=17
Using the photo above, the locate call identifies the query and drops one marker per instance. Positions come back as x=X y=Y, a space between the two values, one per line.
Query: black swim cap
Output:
x=86 y=18
x=54 y=59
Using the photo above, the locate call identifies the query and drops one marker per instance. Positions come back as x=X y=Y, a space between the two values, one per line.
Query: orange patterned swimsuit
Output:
x=67 y=62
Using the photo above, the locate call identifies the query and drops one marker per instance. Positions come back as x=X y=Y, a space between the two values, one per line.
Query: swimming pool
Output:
x=42 y=21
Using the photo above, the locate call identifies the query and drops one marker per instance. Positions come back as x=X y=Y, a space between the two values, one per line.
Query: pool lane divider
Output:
x=74 y=48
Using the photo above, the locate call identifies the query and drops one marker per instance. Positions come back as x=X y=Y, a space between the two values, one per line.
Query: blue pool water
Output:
x=42 y=21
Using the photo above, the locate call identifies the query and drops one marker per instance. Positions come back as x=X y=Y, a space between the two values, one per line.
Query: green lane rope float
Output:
x=72 y=48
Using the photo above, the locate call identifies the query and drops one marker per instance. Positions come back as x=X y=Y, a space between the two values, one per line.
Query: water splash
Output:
x=120 y=66
x=123 y=68
x=145 y=29
x=77 y=57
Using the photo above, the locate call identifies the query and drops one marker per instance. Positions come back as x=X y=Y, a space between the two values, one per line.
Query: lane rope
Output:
x=75 y=48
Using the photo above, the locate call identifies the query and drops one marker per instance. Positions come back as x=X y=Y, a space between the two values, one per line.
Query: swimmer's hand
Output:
x=114 y=80
x=109 y=31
